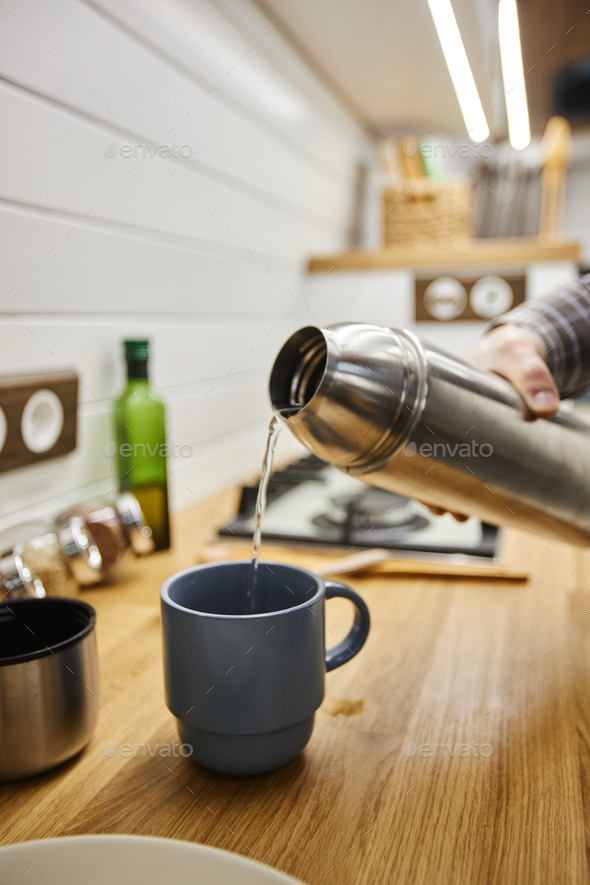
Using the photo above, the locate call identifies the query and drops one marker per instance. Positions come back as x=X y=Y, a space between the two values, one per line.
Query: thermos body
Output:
x=399 y=413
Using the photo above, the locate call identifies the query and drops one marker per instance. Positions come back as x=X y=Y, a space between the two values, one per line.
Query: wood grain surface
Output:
x=515 y=251
x=373 y=560
x=507 y=666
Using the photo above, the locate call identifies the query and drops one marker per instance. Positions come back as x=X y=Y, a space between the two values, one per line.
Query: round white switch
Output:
x=490 y=297
x=42 y=421
x=445 y=299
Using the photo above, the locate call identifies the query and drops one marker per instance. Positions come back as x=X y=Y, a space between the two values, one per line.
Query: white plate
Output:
x=129 y=860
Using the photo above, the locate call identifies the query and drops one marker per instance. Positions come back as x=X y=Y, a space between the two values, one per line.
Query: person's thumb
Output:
x=518 y=354
x=533 y=380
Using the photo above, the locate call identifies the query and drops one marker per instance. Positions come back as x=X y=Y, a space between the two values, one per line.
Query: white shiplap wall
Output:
x=205 y=255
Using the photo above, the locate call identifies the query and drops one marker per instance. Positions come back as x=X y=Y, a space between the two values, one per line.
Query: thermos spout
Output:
x=401 y=414
x=349 y=392
x=298 y=370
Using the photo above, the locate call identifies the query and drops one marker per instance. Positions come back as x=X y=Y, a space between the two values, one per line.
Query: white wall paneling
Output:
x=67 y=265
x=576 y=221
x=233 y=48
x=543 y=278
x=58 y=162
x=174 y=108
x=182 y=354
x=204 y=255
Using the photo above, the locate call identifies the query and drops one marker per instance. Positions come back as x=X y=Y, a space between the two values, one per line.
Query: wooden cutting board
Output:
x=364 y=563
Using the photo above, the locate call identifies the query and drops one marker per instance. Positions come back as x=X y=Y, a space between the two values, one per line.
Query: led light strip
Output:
x=519 y=129
x=459 y=69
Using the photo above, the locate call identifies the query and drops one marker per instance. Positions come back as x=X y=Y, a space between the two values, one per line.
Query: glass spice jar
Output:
x=86 y=545
x=101 y=522
x=16 y=579
x=80 y=550
x=45 y=559
x=115 y=528
x=59 y=557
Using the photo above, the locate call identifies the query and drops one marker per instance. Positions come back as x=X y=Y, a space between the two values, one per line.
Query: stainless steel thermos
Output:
x=399 y=413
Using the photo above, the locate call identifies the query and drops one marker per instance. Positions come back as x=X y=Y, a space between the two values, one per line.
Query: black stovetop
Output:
x=311 y=502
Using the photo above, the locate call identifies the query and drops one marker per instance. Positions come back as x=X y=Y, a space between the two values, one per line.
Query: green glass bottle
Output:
x=140 y=429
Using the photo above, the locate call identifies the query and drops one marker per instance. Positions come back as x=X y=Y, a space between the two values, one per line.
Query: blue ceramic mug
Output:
x=244 y=687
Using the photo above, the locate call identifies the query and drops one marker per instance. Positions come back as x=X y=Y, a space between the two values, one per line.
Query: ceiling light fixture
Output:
x=459 y=69
x=519 y=129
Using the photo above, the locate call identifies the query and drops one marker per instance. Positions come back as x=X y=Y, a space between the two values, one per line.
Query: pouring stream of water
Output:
x=271 y=441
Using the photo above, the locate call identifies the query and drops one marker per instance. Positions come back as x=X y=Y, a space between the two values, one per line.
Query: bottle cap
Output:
x=137 y=349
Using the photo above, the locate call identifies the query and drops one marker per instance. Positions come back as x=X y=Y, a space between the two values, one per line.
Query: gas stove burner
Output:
x=352 y=515
x=383 y=514
x=373 y=507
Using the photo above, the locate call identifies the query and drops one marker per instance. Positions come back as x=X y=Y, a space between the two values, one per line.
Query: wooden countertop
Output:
x=488 y=252
x=447 y=662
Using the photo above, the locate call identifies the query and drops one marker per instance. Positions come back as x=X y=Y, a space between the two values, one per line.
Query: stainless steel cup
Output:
x=48 y=683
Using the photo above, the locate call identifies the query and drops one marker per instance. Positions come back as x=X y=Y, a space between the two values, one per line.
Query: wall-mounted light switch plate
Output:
x=450 y=298
x=38 y=414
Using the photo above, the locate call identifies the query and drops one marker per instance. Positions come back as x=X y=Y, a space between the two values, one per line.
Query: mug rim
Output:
x=165 y=589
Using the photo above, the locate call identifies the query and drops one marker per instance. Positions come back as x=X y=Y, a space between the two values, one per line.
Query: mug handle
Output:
x=345 y=650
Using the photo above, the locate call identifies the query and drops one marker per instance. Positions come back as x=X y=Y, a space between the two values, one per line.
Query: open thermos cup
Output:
x=48 y=683
x=399 y=413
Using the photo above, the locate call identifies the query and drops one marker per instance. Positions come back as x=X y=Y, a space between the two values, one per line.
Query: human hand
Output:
x=518 y=355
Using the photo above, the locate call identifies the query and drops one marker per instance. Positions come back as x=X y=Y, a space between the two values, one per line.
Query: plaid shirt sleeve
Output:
x=562 y=320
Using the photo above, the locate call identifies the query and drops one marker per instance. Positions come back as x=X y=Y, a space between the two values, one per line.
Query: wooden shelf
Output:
x=484 y=252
